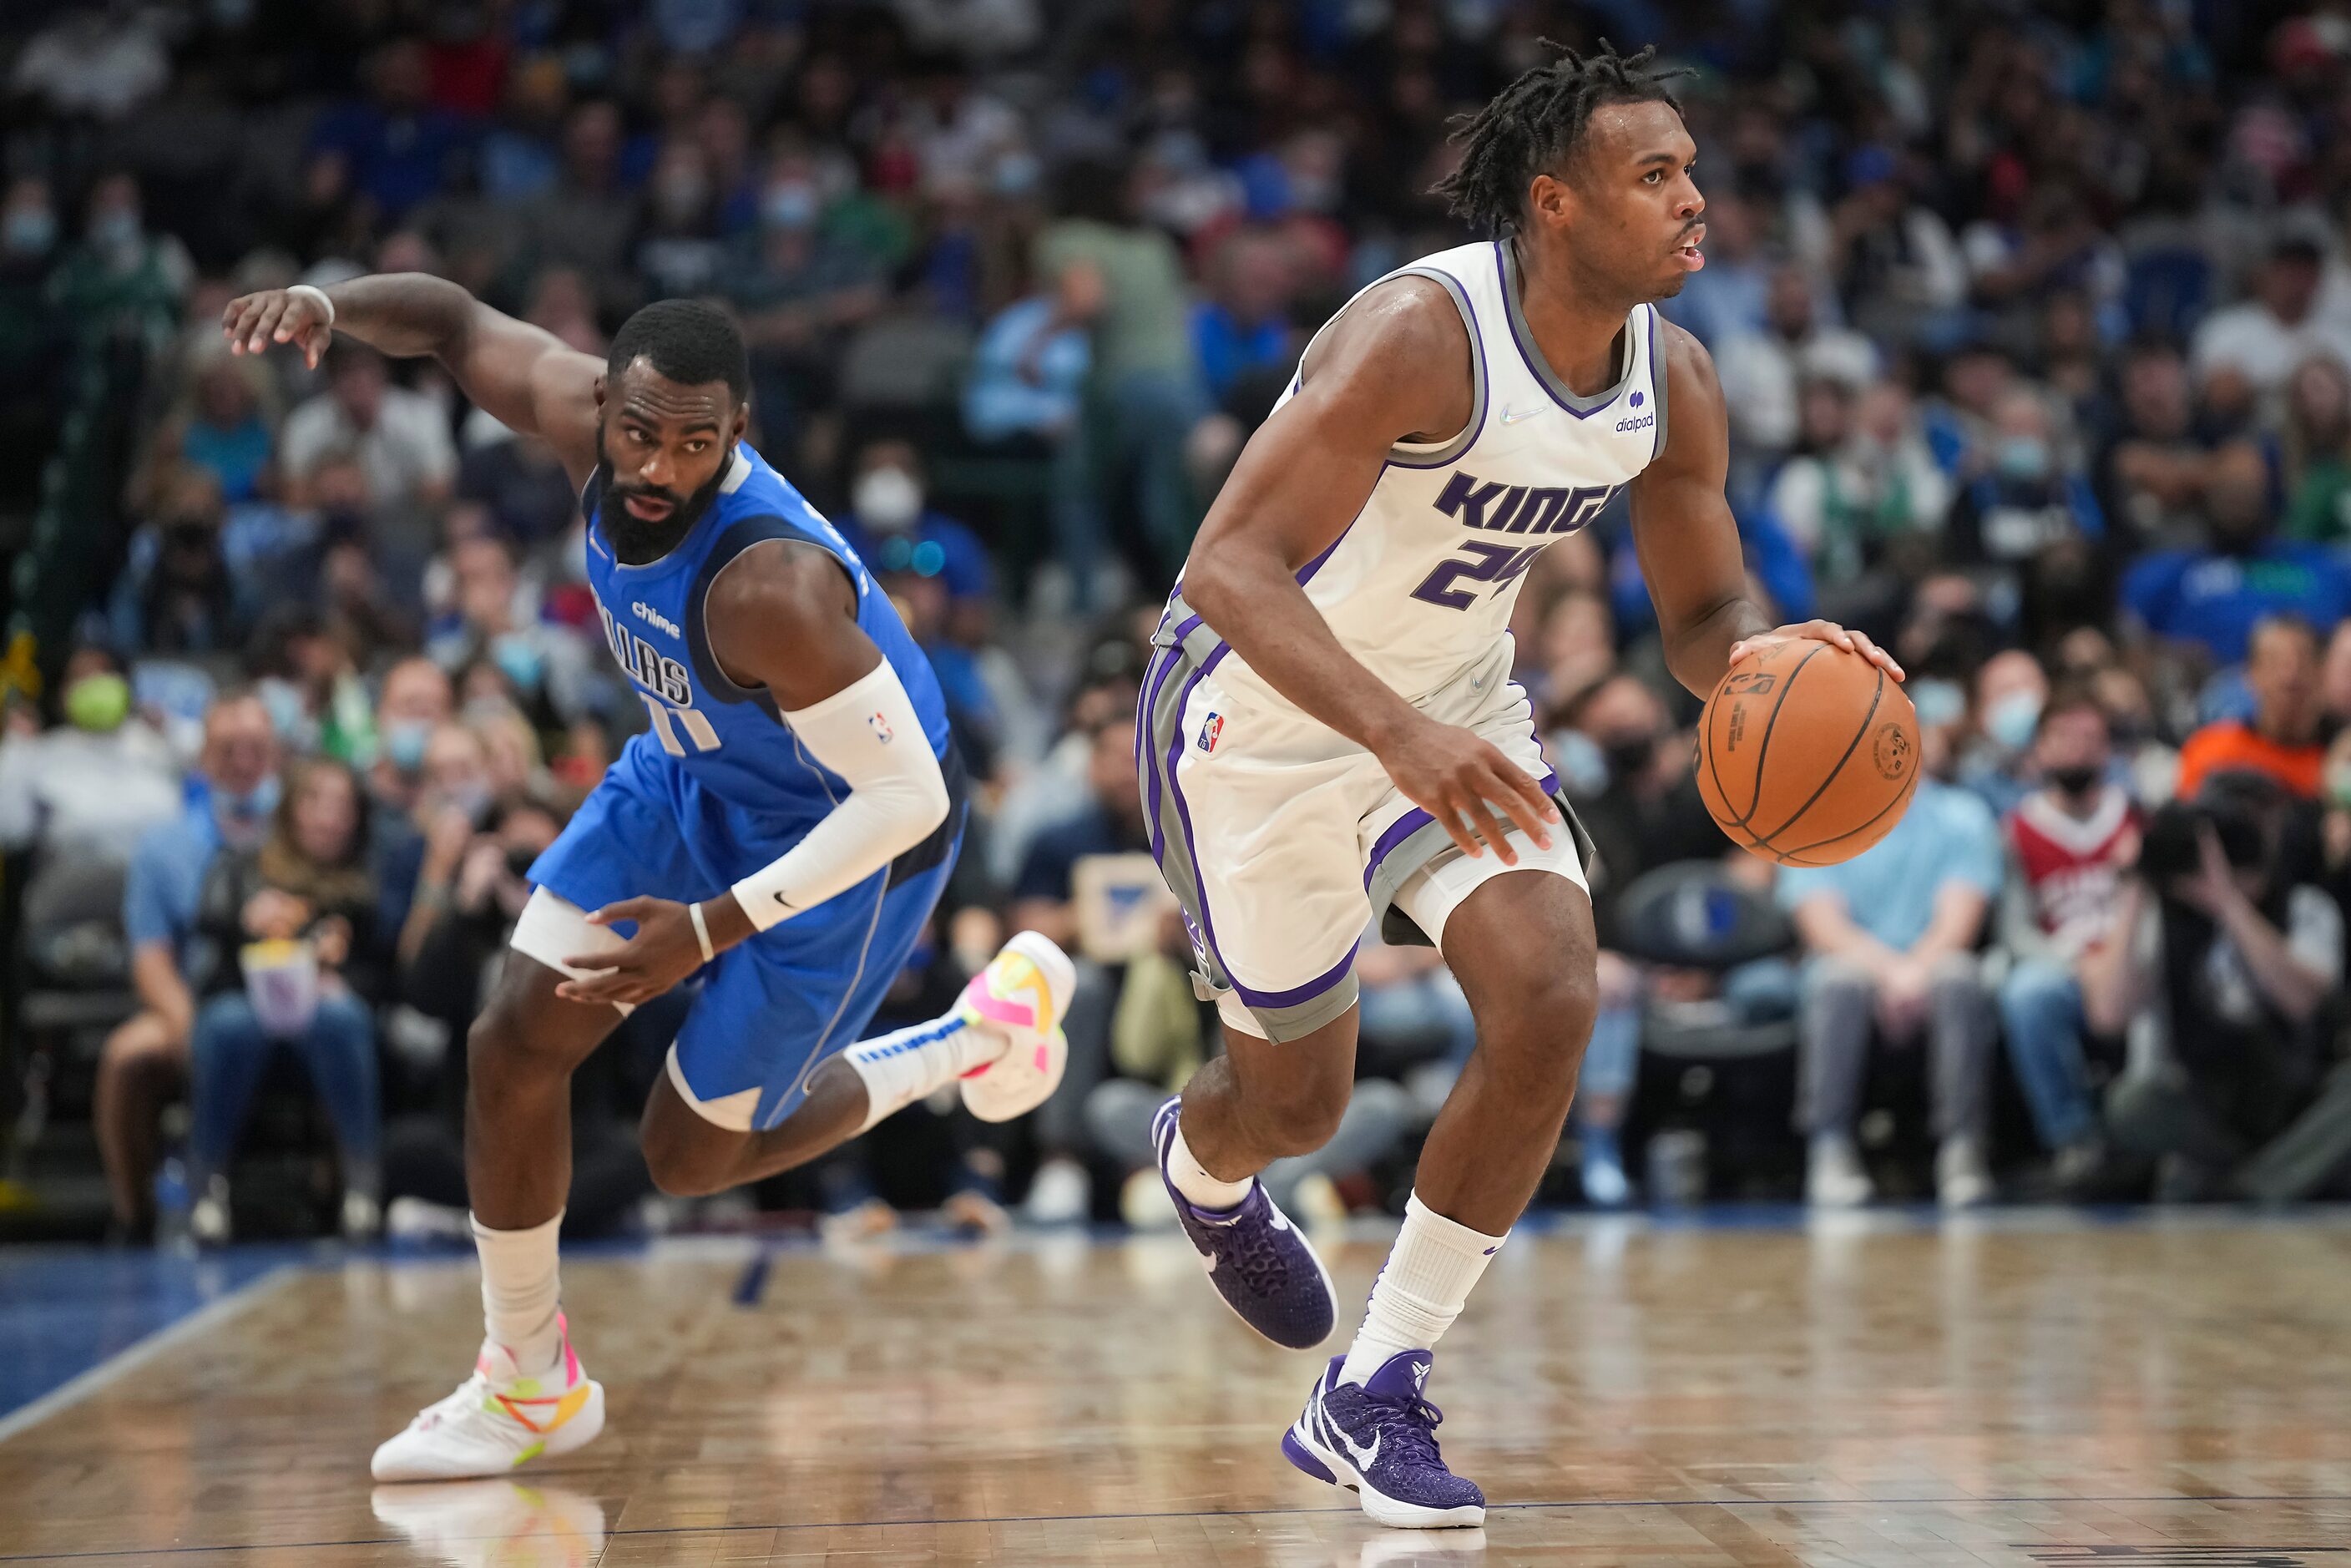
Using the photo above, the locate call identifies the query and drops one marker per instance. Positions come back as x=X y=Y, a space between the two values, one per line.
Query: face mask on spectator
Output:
x=31 y=231
x=248 y=812
x=1583 y=765
x=289 y=715
x=115 y=231
x=1937 y=702
x=2010 y=721
x=98 y=704
x=2078 y=780
x=2024 y=458
x=789 y=206
x=519 y=659
x=403 y=744
x=888 y=499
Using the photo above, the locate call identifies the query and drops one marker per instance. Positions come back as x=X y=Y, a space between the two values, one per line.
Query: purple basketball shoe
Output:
x=1378 y=1439
x=1262 y=1265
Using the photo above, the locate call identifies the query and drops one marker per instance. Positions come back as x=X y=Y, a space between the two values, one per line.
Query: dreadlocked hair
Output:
x=1535 y=123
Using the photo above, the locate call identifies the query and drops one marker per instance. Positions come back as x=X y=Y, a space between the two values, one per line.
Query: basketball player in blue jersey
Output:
x=783 y=828
x=1330 y=736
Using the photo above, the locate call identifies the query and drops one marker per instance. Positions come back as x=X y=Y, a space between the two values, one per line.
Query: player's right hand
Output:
x=253 y=322
x=1462 y=781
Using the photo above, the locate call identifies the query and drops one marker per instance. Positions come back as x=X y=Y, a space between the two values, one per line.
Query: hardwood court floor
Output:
x=1885 y=1394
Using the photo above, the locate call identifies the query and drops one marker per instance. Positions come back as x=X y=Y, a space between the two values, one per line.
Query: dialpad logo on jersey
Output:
x=647 y=665
x=1210 y=728
x=1636 y=422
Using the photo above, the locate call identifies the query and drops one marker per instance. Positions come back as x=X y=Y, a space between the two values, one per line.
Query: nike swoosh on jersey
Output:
x=1513 y=415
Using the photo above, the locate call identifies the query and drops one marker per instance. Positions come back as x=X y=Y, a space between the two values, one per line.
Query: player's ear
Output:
x=742 y=422
x=599 y=394
x=1549 y=200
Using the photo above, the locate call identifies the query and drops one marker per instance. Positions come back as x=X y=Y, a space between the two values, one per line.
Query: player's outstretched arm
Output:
x=1395 y=367
x=528 y=379
x=1688 y=542
x=783 y=616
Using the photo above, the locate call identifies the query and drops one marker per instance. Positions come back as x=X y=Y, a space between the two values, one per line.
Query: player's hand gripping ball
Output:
x=1808 y=749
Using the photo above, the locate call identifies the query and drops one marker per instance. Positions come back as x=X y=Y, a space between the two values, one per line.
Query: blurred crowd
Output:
x=2035 y=327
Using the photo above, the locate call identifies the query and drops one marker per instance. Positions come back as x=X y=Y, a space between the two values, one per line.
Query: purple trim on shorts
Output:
x=1166 y=659
x=1411 y=822
x=1297 y=994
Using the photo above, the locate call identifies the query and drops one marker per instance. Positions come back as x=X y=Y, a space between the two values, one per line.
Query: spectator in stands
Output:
x=1027 y=377
x=2028 y=499
x=1123 y=281
x=295 y=922
x=2261 y=339
x=415 y=699
x=401 y=437
x=2232 y=964
x=2316 y=452
x=1243 y=325
x=585 y=219
x=1762 y=371
x=2284 y=740
x=1862 y=494
x=145 y=1059
x=178 y=595
x=222 y=422
x=120 y=278
x=2152 y=471
x=522 y=482
x=1891 y=936
x=401 y=148
x=679 y=249
x=2211 y=597
x=1999 y=764
x=800 y=292
x=88 y=787
x=2070 y=844
x=548 y=668
x=894 y=530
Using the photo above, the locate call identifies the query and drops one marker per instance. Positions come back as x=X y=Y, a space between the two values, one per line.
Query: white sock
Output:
x=520 y=1291
x=1430 y=1271
x=900 y=1069
x=1193 y=1180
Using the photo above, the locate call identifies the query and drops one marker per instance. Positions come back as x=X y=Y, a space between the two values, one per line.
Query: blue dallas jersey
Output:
x=729 y=739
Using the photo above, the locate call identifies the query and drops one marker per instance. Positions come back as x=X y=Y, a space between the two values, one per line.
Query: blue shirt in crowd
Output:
x=935 y=545
x=1946 y=836
x=1229 y=350
x=167 y=880
x=1000 y=402
x=2205 y=596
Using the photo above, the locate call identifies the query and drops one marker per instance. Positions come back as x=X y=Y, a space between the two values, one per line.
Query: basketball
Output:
x=1807 y=754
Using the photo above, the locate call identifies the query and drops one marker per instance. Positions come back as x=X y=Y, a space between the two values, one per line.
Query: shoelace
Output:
x=1411 y=1424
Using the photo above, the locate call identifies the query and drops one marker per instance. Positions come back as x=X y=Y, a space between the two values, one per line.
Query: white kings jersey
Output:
x=1419 y=588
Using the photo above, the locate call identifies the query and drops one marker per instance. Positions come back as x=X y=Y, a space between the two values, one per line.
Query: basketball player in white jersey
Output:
x=1330 y=734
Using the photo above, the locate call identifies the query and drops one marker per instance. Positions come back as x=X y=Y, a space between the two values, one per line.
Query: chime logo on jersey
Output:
x=1210 y=728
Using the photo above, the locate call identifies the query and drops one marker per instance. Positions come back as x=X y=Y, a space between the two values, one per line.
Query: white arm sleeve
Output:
x=868 y=733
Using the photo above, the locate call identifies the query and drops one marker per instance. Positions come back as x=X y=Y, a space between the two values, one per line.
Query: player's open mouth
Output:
x=645 y=509
x=1689 y=254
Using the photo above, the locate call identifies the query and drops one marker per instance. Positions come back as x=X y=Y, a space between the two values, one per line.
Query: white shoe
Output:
x=1023 y=995
x=1832 y=1176
x=1058 y=1194
x=498 y=1419
x=1961 y=1178
x=413 y=1219
x=862 y=1221
x=495 y=1524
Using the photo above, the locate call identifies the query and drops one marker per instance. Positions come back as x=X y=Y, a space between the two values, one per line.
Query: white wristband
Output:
x=868 y=733
x=313 y=291
x=701 y=932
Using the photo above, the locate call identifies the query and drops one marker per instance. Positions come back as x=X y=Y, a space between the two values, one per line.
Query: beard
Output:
x=634 y=540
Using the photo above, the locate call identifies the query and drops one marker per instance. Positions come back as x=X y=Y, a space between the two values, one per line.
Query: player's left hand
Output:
x=664 y=951
x=1819 y=631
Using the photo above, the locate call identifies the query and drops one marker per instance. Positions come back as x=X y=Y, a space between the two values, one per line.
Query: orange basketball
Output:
x=1807 y=755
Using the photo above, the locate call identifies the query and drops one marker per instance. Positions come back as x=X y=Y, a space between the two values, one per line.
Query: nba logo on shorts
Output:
x=1210 y=728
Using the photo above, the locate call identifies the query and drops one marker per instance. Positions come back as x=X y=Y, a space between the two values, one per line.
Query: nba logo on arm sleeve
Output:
x=880 y=725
